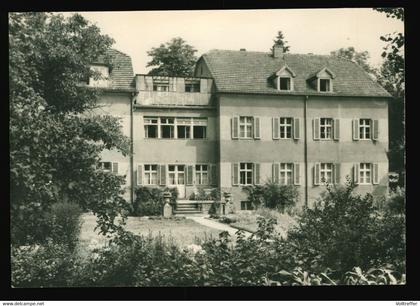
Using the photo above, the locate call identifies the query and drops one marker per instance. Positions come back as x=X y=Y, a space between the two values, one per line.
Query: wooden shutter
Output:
x=115 y=168
x=189 y=175
x=356 y=173
x=375 y=129
x=276 y=128
x=235 y=127
x=235 y=174
x=296 y=128
x=162 y=175
x=276 y=173
x=356 y=129
x=375 y=174
x=140 y=175
x=296 y=173
x=213 y=174
x=257 y=174
x=336 y=129
x=337 y=173
x=315 y=128
x=317 y=173
x=257 y=128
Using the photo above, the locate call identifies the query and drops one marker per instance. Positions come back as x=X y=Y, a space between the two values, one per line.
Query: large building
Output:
x=249 y=117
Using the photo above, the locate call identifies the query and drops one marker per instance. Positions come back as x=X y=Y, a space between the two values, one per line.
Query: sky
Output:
x=317 y=31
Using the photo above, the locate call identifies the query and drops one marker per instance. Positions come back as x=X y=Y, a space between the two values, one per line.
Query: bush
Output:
x=150 y=201
x=396 y=201
x=272 y=195
x=205 y=195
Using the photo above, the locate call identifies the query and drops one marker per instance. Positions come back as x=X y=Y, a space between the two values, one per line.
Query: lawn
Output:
x=182 y=232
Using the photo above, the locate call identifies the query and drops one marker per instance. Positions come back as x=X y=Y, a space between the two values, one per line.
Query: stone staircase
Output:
x=184 y=207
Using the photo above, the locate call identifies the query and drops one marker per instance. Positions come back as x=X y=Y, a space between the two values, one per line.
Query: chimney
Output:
x=277 y=51
x=242 y=49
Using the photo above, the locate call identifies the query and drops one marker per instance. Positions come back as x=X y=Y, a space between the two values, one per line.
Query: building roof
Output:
x=121 y=76
x=249 y=72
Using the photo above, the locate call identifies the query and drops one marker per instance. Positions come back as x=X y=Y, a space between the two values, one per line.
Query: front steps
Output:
x=184 y=207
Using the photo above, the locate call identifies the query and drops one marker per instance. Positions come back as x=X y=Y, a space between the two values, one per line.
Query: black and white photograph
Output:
x=207 y=148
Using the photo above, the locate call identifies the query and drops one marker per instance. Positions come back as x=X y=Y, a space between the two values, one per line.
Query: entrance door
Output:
x=176 y=175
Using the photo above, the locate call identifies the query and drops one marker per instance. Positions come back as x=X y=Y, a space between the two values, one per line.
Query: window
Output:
x=326 y=128
x=284 y=83
x=183 y=126
x=160 y=84
x=105 y=166
x=245 y=173
x=150 y=174
x=324 y=85
x=245 y=127
x=201 y=174
x=192 y=85
x=365 y=173
x=199 y=128
x=285 y=128
x=176 y=174
x=246 y=205
x=286 y=174
x=167 y=126
x=326 y=172
x=151 y=127
x=364 y=128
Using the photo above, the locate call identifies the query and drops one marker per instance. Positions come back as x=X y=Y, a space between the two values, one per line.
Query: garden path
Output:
x=216 y=225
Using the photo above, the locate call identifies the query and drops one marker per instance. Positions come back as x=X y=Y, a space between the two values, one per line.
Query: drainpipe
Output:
x=305 y=104
x=133 y=95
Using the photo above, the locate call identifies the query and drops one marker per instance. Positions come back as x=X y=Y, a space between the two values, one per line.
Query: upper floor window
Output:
x=365 y=128
x=167 y=127
x=324 y=85
x=245 y=127
x=151 y=127
x=183 y=126
x=150 y=174
x=245 y=173
x=199 y=128
x=160 y=83
x=285 y=83
x=326 y=173
x=326 y=125
x=192 y=85
x=172 y=127
x=108 y=167
x=286 y=128
x=284 y=78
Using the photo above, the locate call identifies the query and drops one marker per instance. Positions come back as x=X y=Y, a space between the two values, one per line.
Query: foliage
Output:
x=53 y=149
x=281 y=42
x=373 y=276
x=361 y=58
x=150 y=201
x=205 y=195
x=174 y=58
x=272 y=195
x=396 y=201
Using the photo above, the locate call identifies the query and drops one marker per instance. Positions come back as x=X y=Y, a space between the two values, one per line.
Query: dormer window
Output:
x=284 y=79
x=101 y=78
x=324 y=85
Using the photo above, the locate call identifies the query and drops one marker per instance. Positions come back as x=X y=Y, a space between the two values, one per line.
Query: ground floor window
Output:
x=326 y=173
x=286 y=174
x=246 y=205
x=176 y=174
x=150 y=174
x=201 y=174
x=245 y=173
x=365 y=173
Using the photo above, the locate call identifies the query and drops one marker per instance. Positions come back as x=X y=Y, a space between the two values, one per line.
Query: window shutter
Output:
x=213 y=174
x=336 y=129
x=162 y=175
x=317 y=173
x=257 y=178
x=375 y=128
x=375 y=170
x=189 y=175
x=115 y=168
x=356 y=173
x=296 y=128
x=235 y=127
x=140 y=175
x=296 y=173
x=337 y=168
x=235 y=174
x=276 y=173
x=315 y=128
x=257 y=128
x=355 y=129
x=276 y=128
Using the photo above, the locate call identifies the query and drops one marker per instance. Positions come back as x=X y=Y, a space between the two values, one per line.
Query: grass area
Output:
x=247 y=220
x=182 y=232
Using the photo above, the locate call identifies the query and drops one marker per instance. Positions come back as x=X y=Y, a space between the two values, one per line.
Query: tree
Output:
x=280 y=42
x=55 y=139
x=361 y=58
x=174 y=58
x=391 y=76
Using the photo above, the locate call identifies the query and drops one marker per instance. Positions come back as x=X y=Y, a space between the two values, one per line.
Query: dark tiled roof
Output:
x=248 y=72
x=122 y=76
